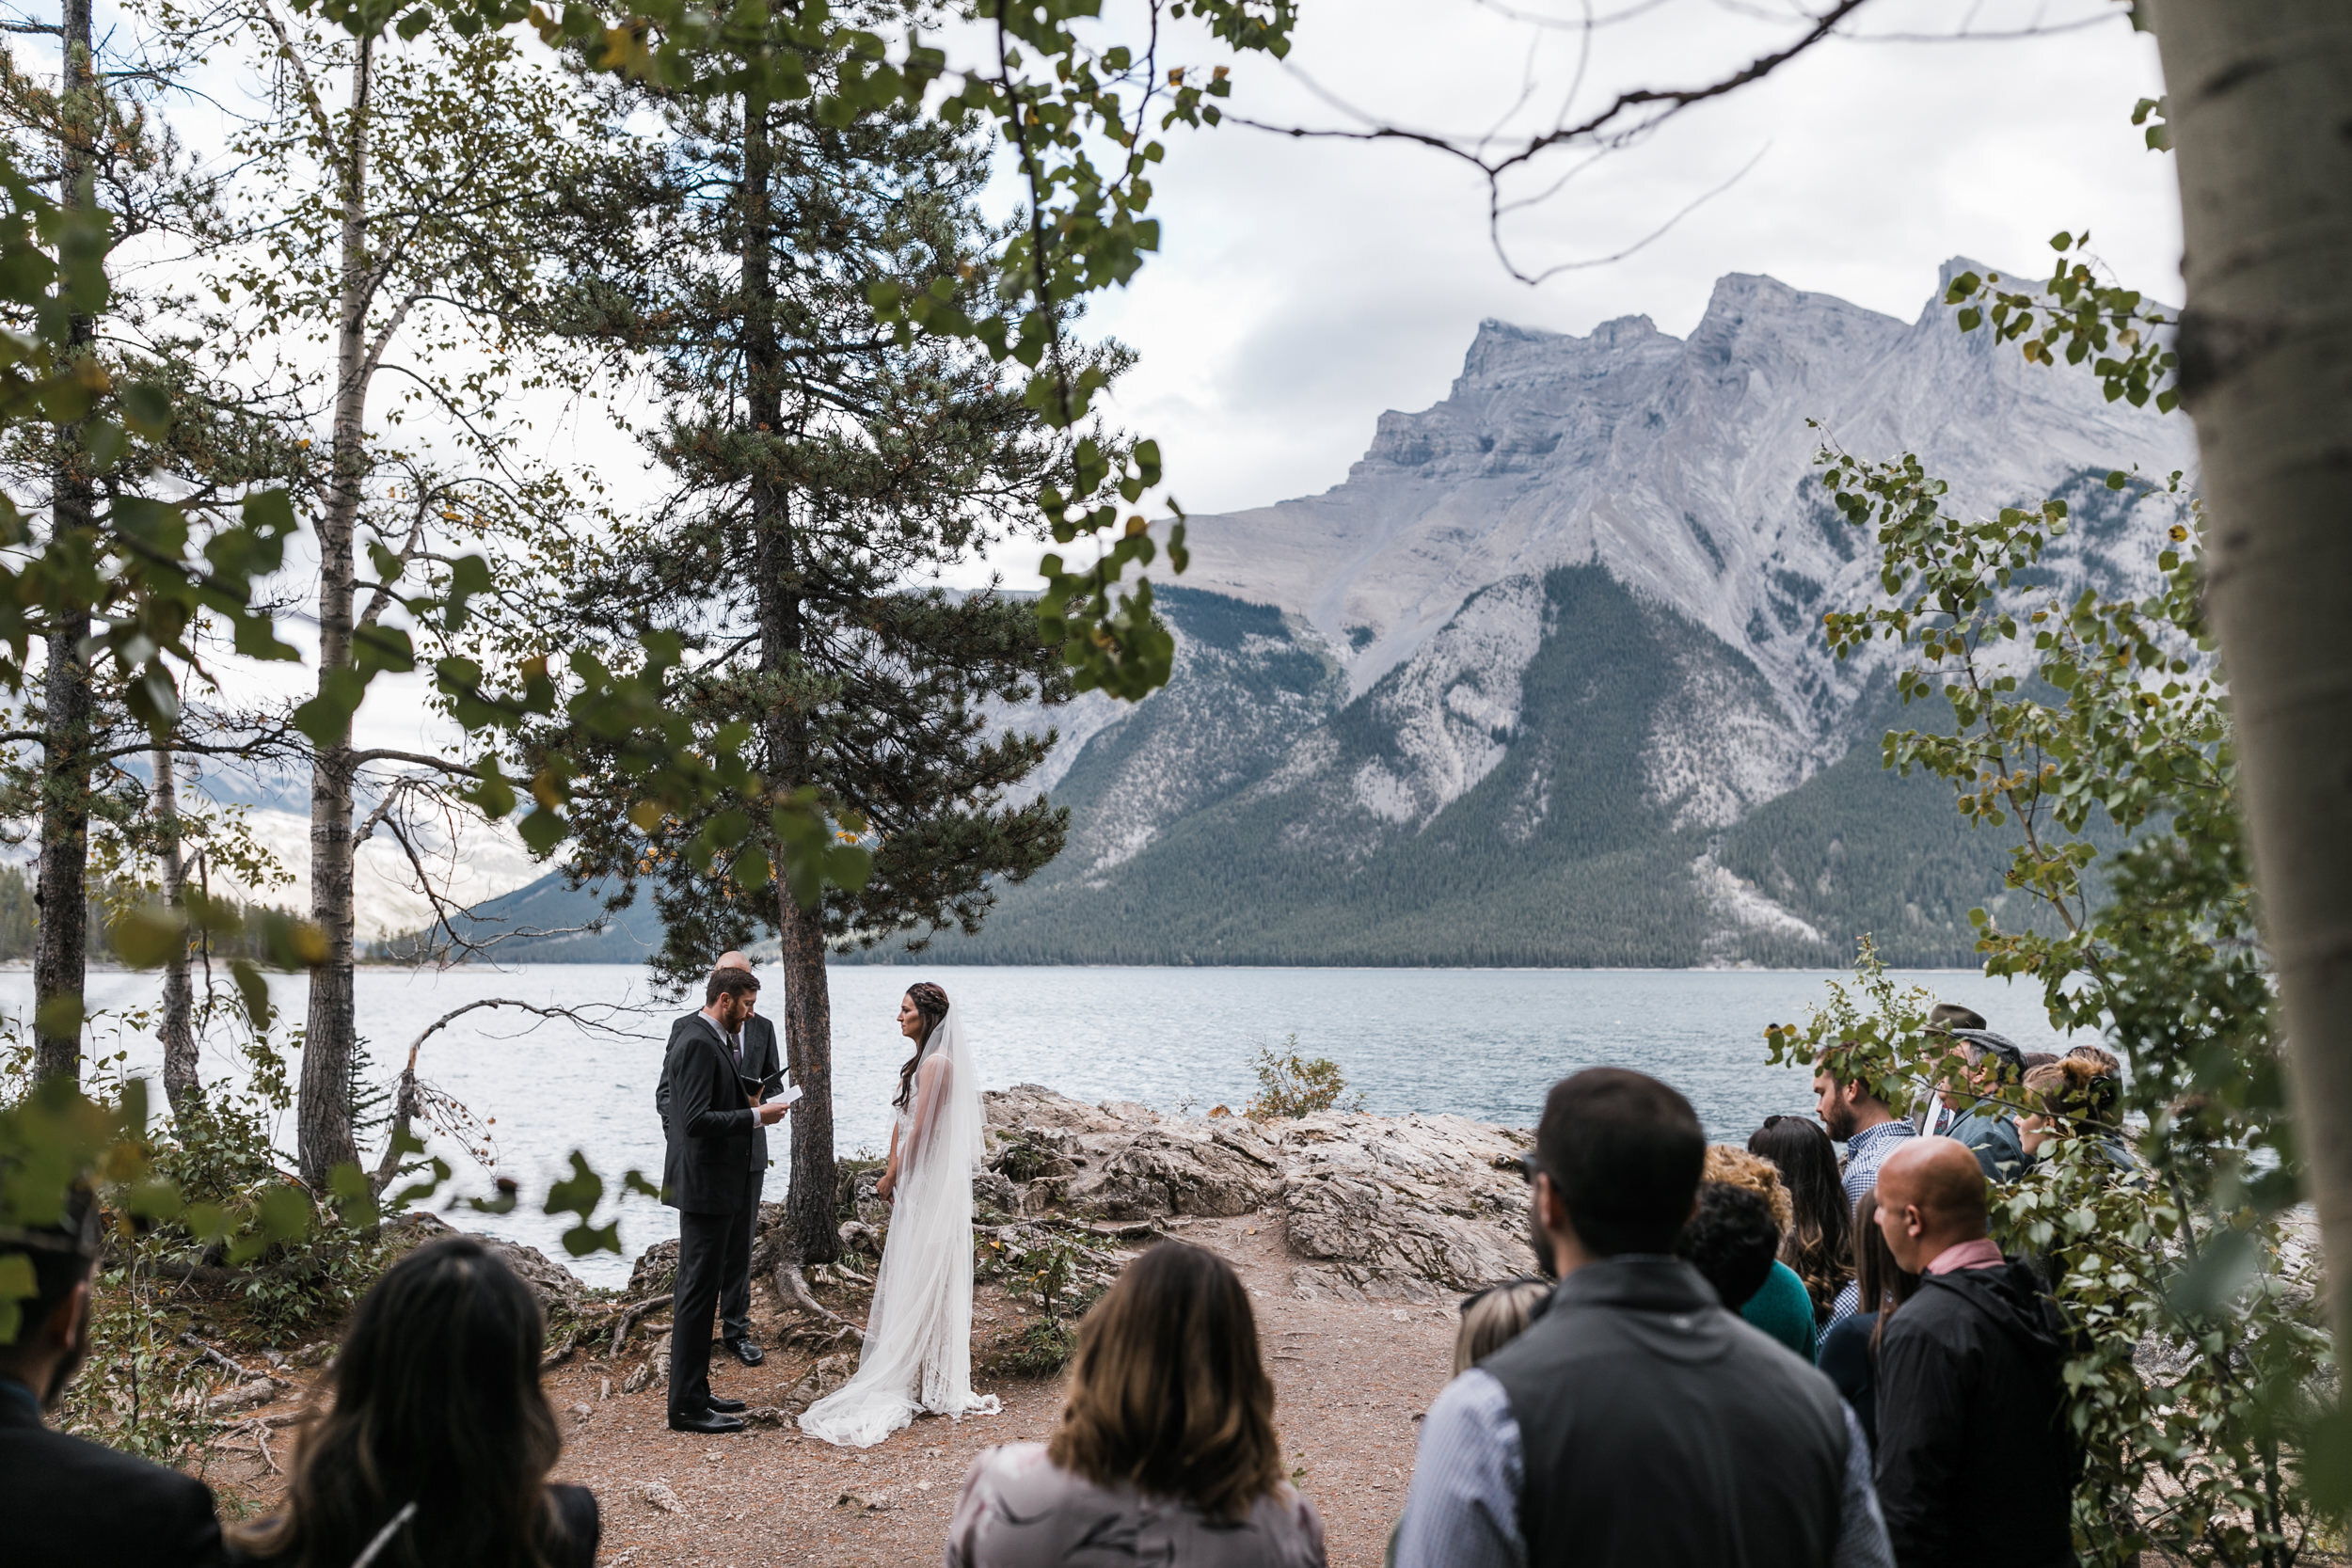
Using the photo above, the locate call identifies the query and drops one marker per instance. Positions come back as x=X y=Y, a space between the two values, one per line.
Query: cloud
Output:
x=1303 y=287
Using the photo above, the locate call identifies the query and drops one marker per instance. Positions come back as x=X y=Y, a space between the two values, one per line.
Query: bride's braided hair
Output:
x=932 y=1001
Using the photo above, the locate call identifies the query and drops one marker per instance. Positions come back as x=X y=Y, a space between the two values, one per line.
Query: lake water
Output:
x=1483 y=1043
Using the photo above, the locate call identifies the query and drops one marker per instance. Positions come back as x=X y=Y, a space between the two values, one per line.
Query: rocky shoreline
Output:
x=1412 y=1209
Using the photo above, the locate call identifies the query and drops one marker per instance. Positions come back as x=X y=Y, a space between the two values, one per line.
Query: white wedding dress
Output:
x=918 y=1336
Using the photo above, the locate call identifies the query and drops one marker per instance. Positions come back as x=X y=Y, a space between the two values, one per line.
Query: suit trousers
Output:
x=734 y=1279
x=702 y=1247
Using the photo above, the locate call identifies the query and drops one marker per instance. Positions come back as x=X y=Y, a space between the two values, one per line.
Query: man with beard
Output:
x=1871 y=1131
x=65 y=1500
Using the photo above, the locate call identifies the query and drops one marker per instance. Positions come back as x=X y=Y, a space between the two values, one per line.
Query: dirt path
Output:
x=1349 y=1380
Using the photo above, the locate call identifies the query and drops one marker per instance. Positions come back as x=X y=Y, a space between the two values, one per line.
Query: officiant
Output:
x=715 y=1112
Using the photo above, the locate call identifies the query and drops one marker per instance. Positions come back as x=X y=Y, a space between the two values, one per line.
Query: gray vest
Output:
x=1659 y=1431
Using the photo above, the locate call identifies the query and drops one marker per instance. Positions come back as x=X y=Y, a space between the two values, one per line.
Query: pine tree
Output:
x=819 y=468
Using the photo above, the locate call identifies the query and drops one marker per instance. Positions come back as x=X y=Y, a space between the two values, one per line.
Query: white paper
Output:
x=792 y=1093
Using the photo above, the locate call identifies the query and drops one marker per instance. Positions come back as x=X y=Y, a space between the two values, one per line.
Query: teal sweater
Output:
x=1783 y=1310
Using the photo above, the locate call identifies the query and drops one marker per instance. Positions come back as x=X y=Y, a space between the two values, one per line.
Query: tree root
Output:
x=630 y=1319
x=793 y=1288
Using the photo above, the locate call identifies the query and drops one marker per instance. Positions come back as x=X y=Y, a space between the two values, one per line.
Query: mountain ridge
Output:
x=1540 y=681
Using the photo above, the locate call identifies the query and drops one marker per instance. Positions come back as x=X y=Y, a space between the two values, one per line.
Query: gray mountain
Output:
x=1541 y=683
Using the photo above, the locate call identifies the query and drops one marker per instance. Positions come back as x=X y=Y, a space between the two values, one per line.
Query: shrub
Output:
x=1289 y=1086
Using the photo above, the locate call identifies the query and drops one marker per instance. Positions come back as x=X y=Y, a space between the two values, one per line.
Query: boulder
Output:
x=655 y=1272
x=1411 y=1207
x=1178 y=1169
x=1033 y=1107
x=551 y=1282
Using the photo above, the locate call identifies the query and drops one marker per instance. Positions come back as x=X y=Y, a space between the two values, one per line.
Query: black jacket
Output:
x=1847 y=1361
x=1658 y=1430
x=710 y=1121
x=74 y=1504
x=575 y=1530
x=1976 y=1461
x=761 y=1060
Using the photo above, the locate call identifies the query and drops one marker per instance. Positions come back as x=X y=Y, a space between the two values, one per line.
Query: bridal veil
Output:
x=918 y=1335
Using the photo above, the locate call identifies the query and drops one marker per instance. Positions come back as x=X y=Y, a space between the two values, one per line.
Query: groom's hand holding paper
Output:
x=770 y=1111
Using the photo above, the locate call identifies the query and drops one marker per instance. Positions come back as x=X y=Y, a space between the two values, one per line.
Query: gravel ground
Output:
x=1350 y=1379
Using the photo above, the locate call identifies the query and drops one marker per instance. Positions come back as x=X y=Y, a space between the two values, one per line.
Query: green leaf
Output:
x=17 y=1286
x=61 y=1016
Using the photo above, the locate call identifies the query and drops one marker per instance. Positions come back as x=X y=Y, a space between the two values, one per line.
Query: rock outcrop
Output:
x=1410 y=1208
x=550 y=1281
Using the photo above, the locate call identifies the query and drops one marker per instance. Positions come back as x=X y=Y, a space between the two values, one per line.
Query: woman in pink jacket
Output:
x=1166 y=1451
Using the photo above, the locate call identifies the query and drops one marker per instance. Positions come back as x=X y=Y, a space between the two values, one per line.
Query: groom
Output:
x=717 y=1128
x=761 y=1060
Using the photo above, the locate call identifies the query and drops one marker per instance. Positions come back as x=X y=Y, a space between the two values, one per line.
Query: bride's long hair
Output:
x=932 y=1001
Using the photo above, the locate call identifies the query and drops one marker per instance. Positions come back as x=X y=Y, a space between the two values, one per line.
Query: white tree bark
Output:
x=2260 y=101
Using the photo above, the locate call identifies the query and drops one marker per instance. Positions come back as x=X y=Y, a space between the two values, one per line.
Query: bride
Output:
x=918 y=1336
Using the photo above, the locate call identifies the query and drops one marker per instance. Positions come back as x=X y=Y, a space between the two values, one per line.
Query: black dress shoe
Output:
x=709 y=1421
x=726 y=1407
x=746 y=1351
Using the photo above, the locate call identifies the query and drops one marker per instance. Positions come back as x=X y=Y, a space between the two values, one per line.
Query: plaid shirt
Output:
x=1866 y=1151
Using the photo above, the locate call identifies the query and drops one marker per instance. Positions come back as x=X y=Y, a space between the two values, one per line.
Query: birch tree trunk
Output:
x=176 y=1030
x=324 y=1138
x=2259 y=104
x=60 y=942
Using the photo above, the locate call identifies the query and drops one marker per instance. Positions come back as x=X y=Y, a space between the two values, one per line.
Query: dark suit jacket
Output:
x=710 y=1128
x=74 y=1504
x=761 y=1060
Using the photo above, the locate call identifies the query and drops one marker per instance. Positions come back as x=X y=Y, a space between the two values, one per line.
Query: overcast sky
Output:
x=1303 y=287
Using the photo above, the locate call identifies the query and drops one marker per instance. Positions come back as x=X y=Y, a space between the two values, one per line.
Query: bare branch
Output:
x=409 y=1101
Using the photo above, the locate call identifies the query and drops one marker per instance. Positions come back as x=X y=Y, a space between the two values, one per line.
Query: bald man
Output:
x=757 y=1039
x=1976 y=1460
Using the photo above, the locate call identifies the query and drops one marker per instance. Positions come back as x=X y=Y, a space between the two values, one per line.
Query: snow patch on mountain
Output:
x=1719 y=748
x=1452 y=710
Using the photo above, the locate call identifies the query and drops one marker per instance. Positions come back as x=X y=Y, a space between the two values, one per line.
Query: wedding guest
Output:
x=1861 y=1120
x=2074 y=1099
x=66 y=1503
x=1979 y=1102
x=435 y=1448
x=1850 y=1350
x=1634 y=1422
x=1494 y=1317
x=1815 y=1244
x=2100 y=1057
x=1778 y=1303
x=1976 y=1462
x=1166 y=1444
x=2033 y=1059
x=1936 y=1116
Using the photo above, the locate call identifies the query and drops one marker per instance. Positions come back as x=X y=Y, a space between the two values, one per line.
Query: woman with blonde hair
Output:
x=1166 y=1444
x=2075 y=1096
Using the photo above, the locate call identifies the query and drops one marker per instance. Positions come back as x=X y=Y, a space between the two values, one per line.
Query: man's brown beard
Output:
x=1541 y=1243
